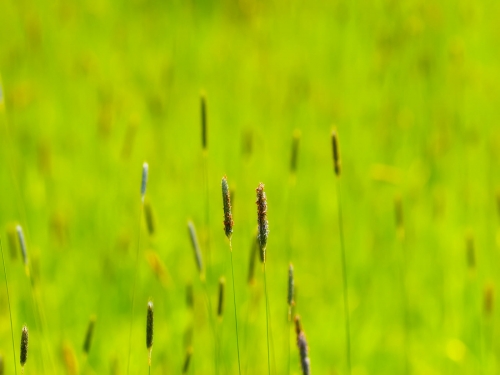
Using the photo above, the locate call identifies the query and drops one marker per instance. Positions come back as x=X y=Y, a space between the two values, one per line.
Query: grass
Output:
x=412 y=88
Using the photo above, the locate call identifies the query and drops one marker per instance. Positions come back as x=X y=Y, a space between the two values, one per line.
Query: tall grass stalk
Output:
x=21 y=207
x=10 y=312
x=235 y=314
x=211 y=319
x=208 y=304
x=336 y=161
x=267 y=321
x=228 y=229
x=40 y=320
x=204 y=145
x=289 y=222
x=262 y=234
x=145 y=173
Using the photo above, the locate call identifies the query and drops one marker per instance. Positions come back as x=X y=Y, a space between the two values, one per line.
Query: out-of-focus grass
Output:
x=409 y=85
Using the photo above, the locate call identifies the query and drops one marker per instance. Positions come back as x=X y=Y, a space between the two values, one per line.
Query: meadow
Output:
x=90 y=90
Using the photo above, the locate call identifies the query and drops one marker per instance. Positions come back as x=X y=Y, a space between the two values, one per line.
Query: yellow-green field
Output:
x=92 y=89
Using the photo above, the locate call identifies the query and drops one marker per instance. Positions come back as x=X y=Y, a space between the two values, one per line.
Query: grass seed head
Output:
x=149 y=326
x=263 y=226
x=1 y=365
x=196 y=247
x=187 y=360
x=88 y=336
x=336 y=152
x=22 y=244
x=144 y=182
x=305 y=362
x=24 y=346
x=226 y=202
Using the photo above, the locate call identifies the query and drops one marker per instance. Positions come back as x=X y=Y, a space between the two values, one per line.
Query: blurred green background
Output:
x=91 y=89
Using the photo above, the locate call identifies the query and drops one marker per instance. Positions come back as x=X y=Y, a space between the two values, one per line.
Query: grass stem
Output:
x=10 y=312
x=344 y=280
x=133 y=288
x=267 y=321
x=235 y=315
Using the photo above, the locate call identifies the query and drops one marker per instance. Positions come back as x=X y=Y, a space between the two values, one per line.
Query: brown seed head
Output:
x=263 y=227
x=336 y=152
x=149 y=326
x=305 y=362
x=88 y=336
x=24 y=346
x=226 y=202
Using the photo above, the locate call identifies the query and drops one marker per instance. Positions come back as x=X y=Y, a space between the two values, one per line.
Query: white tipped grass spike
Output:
x=144 y=183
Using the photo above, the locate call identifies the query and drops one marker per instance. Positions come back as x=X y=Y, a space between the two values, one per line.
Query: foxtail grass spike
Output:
x=144 y=182
x=220 y=306
x=22 y=244
x=488 y=299
x=295 y=151
x=336 y=152
x=226 y=202
x=24 y=346
x=204 y=121
x=196 y=247
x=263 y=227
x=251 y=263
x=290 y=299
x=148 y=215
x=187 y=360
x=1 y=365
x=149 y=330
x=88 y=336
x=305 y=362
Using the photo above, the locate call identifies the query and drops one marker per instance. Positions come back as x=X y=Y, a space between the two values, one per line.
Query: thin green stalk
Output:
x=207 y=214
x=267 y=322
x=211 y=319
x=10 y=312
x=235 y=315
x=133 y=288
x=344 y=280
x=289 y=351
